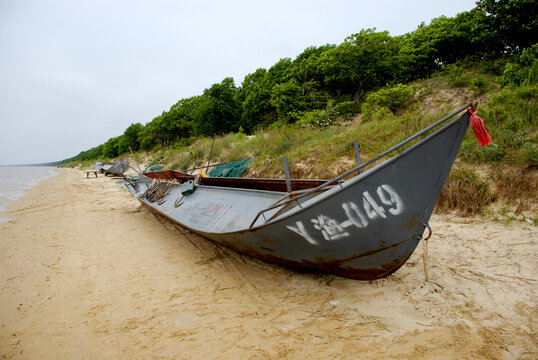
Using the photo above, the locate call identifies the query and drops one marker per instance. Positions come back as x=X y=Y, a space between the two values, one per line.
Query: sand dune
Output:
x=87 y=273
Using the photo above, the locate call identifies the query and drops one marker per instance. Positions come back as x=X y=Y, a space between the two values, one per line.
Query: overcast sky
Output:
x=74 y=73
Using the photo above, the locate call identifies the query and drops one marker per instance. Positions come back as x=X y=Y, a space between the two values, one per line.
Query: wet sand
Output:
x=87 y=273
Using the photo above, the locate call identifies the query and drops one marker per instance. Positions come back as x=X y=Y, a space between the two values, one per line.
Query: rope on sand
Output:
x=425 y=253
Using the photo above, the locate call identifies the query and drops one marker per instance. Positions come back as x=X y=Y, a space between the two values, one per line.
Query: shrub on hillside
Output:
x=390 y=99
x=327 y=116
x=457 y=75
x=479 y=85
x=524 y=71
x=529 y=154
x=183 y=143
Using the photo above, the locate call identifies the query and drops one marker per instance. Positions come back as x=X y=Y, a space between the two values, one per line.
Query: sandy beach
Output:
x=86 y=272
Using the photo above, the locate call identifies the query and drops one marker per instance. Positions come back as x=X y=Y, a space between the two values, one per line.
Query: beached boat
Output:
x=99 y=166
x=364 y=227
x=117 y=168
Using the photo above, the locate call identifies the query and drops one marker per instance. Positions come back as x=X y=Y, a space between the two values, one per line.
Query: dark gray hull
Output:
x=363 y=228
x=118 y=168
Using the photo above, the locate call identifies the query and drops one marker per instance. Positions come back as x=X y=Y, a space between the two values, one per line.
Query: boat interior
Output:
x=278 y=185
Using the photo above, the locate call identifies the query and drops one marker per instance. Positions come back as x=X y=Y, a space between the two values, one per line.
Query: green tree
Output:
x=111 y=147
x=365 y=61
x=280 y=72
x=305 y=68
x=287 y=100
x=255 y=98
x=173 y=125
x=91 y=154
x=306 y=72
x=130 y=138
x=148 y=136
x=219 y=110
x=512 y=25
x=261 y=89
x=442 y=42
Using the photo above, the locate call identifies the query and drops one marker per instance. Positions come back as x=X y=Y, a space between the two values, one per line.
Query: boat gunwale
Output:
x=241 y=189
x=157 y=175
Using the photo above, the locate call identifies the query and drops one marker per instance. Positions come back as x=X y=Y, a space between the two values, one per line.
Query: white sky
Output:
x=74 y=73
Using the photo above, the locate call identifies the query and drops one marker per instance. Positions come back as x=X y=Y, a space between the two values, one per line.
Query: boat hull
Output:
x=118 y=168
x=364 y=228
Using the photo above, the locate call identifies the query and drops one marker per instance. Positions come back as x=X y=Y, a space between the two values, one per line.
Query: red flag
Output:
x=478 y=127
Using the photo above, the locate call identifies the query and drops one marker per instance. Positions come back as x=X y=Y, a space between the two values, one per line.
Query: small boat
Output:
x=363 y=224
x=100 y=167
x=117 y=168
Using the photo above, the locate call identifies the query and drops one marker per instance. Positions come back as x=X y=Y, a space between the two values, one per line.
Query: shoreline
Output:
x=21 y=191
x=87 y=272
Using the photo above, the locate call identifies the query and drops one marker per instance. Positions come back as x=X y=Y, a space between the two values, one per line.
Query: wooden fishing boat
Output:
x=364 y=227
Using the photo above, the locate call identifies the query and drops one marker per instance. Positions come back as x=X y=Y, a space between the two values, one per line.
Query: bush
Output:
x=513 y=74
x=283 y=145
x=479 y=85
x=385 y=101
x=376 y=113
x=523 y=71
x=456 y=75
x=529 y=154
x=392 y=98
x=494 y=67
x=183 y=143
x=197 y=153
x=313 y=118
x=492 y=152
x=328 y=116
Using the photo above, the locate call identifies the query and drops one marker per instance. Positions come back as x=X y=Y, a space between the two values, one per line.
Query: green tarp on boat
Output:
x=233 y=169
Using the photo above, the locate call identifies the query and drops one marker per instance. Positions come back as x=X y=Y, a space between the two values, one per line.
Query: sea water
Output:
x=16 y=180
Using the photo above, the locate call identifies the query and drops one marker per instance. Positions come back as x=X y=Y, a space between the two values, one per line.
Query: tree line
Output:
x=334 y=78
